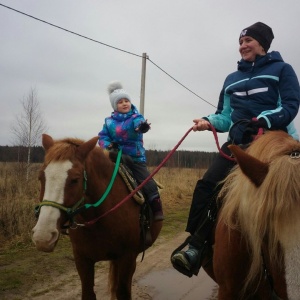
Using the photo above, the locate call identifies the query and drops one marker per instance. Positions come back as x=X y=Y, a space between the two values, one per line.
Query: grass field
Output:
x=21 y=265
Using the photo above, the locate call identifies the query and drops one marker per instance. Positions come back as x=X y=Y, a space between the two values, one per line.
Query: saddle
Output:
x=146 y=217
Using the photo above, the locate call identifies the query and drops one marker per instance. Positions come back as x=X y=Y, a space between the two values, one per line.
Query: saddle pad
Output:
x=131 y=184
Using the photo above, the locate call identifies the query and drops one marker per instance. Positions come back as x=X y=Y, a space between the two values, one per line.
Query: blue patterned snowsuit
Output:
x=120 y=128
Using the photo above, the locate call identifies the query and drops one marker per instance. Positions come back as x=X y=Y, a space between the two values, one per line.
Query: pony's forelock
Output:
x=62 y=149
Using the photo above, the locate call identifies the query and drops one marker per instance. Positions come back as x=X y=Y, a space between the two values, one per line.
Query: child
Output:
x=124 y=129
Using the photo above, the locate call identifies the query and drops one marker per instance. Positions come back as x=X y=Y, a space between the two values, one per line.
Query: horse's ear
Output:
x=253 y=168
x=84 y=149
x=47 y=141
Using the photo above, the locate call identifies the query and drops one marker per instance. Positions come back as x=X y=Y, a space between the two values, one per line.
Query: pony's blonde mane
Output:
x=270 y=211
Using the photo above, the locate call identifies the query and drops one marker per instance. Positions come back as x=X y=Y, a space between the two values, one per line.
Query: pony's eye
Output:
x=74 y=181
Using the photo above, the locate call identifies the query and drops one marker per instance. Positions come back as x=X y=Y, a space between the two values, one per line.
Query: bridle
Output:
x=71 y=212
x=79 y=207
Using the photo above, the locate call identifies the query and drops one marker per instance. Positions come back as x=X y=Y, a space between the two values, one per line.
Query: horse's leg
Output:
x=231 y=262
x=124 y=269
x=86 y=271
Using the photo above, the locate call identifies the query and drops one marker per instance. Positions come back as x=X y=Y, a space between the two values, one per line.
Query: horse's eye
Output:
x=74 y=181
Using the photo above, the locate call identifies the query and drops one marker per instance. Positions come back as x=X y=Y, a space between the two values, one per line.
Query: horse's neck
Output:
x=99 y=164
x=99 y=170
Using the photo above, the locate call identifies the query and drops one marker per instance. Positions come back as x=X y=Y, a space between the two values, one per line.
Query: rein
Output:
x=89 y=223
x=212 y=128
x=156 y=170
x=76 y=209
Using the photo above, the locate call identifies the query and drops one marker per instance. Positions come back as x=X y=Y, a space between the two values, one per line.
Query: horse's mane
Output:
x=62 y=149
x=271 y=210
x=65 y=149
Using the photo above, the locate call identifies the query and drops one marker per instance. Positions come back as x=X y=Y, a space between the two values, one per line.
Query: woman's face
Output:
x=249 y=48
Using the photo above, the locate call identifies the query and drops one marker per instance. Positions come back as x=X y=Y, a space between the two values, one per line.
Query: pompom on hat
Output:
x=116 y=92
x=260 y=32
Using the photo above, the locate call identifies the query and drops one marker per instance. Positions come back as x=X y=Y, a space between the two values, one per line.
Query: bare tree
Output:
x=29 y=125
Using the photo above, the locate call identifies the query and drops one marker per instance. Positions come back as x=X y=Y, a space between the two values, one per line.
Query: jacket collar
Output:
x=260 y=61
x=119 y=116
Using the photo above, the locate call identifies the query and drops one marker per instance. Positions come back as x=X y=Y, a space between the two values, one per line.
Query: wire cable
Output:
x=69 y=31
x=104 y=44
x=180 y=83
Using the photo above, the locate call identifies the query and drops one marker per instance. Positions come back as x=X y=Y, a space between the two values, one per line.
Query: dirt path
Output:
x=154 y=279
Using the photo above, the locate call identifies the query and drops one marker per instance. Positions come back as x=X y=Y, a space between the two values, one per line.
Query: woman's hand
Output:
x=200 y=125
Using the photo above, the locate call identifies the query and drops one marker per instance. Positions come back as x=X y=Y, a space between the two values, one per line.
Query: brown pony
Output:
x=77 y=173
x=257 y=238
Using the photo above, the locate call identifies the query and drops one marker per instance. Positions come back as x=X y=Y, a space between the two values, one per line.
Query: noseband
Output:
x=70 y=211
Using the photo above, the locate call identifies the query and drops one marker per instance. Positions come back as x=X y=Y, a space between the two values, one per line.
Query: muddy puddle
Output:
x=169 y=284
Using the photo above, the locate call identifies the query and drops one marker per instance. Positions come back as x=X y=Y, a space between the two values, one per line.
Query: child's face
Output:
x=123 y=106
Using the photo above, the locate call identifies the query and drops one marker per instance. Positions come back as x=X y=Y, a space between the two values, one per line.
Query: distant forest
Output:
x=179 y=159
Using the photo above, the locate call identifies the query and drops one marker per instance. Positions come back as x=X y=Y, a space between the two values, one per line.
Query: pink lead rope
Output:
x=89 y=223
x=142 y=184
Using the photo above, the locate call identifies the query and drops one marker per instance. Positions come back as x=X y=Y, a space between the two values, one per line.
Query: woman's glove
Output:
x=254 y=125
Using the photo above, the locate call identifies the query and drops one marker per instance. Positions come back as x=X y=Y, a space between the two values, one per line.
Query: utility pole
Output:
x=143 y=83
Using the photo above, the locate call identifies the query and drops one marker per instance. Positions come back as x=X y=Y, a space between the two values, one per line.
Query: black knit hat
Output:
x=260 y=32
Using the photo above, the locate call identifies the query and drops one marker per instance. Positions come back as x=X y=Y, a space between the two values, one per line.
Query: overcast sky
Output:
x=194 y=41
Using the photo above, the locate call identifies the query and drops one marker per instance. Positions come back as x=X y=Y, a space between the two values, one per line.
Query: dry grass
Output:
x=18 y=197
x=178 y=186
x=17 y=200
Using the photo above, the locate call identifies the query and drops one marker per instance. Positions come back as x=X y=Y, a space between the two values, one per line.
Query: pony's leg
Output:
x=86 y=271
x=231 y=262
x=123 y=270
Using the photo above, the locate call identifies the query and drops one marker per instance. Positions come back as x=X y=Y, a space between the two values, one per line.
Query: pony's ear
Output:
x=47 y=141
x=84 y=149
x=253 y=168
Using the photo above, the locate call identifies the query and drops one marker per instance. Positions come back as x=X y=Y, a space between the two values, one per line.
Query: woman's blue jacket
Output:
x=266 y=88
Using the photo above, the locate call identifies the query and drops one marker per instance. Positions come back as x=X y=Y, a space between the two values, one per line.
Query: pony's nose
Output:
x=45 y=241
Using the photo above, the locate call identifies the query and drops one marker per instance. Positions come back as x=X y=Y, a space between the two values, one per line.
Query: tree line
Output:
x=179 y=159
x=29 y=125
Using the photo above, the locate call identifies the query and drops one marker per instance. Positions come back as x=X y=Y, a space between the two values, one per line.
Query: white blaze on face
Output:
x=45 y=233
x=291 y=247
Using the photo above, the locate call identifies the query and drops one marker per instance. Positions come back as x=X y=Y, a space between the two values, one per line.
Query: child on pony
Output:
x=124 y=129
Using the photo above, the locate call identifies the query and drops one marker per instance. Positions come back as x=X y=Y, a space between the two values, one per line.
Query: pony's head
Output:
x=62 y=185
x=262 y=200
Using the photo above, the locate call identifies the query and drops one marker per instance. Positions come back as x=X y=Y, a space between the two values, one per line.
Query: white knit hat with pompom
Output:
x=116 y=92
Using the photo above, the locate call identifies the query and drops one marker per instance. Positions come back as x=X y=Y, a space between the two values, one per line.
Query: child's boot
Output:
x=156 y=208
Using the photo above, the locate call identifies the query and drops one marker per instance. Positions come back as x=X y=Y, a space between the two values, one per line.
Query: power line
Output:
x=69 y=31
x=104 y=44
x=180 y=83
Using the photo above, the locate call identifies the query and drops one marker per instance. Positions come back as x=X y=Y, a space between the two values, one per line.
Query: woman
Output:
x=263 y=93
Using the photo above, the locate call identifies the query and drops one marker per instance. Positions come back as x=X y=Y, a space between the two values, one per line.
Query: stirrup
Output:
x=193 y=271
x=196 y=268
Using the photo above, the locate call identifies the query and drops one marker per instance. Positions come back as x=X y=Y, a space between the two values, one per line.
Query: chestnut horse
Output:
x=76 y=174
x=257 y=237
